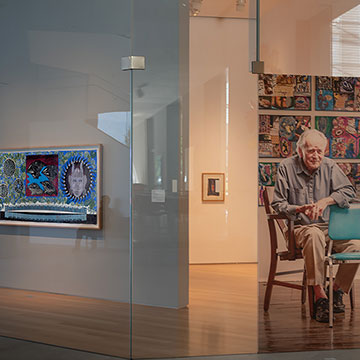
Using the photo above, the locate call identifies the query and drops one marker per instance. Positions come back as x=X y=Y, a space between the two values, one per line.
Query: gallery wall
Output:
x=223 y=138
x=299 y=40
x=304 y=48
x=60 y=72
x=56 y=77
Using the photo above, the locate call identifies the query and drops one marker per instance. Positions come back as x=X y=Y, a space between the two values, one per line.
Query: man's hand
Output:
x=306 y=209
x=314 y=210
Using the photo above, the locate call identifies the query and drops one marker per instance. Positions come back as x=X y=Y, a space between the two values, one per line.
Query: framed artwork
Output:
x=343 y=133
x=352 y=171
x=213 y=187
x=278 y=134
x=284 y=92
x=337 y=93
x=267 y=177
x=53 y=187
x=267 y=173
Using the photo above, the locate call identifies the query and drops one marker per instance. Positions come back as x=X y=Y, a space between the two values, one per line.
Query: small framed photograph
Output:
x=213 y=187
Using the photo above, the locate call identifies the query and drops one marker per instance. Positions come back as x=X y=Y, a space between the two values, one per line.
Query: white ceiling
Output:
x=223 y=8
x=305 y=9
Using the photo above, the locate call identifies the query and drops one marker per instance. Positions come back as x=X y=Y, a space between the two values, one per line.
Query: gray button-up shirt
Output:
x=296 y=186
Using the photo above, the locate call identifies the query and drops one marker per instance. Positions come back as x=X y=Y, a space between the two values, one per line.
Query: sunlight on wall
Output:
x=346 y=43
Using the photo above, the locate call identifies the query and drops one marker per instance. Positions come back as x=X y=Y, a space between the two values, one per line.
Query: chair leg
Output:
x=311 y=297
x=270 y=284
x=352 y=297
x=331 y=296
x=303 y=291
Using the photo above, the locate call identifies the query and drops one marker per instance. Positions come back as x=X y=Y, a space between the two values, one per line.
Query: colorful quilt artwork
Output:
x=352 y=171
x=267 y=176
x=50 y=187
x=284 y=92
x=278 y=134
x=337 y=93
x=343 y=135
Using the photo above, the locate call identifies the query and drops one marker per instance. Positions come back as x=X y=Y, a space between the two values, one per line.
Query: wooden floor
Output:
x=221 y=318
x=287 y=325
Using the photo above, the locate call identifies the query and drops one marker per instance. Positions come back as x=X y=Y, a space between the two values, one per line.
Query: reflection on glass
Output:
x=181 y=309
x=60 y=67
x=116 y=125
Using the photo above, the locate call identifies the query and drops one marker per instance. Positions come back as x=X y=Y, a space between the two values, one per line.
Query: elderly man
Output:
x=306 y=185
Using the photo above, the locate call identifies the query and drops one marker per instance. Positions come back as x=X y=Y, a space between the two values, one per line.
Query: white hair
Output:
x=302 y=140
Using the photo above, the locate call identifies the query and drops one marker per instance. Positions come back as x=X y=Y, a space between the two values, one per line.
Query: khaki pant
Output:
x=313 y=240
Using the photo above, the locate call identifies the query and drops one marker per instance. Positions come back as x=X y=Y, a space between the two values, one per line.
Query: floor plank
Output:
x=221 y=318
x=287 y=325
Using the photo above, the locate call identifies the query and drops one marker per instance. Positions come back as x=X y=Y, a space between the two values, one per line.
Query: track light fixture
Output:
x=240 y=4
x=195 y=6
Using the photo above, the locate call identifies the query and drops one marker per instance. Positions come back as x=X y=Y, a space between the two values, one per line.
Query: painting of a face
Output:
x=78 y=179
x=77 y=182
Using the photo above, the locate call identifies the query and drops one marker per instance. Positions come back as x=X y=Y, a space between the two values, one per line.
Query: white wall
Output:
x=223 y=138
x=57 y=73
x=60 y=68
x=295 y=36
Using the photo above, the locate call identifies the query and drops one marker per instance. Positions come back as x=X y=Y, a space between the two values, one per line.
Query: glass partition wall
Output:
x=160 y=196
x=194 y=164
x=123 y=226
x=64 y=170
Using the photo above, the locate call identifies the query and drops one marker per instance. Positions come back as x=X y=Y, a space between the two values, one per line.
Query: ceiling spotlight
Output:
x=240 y=4
x=195 y=6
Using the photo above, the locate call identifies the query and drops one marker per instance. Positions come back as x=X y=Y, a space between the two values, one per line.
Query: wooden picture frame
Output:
x=213 y=187
x=51 y=187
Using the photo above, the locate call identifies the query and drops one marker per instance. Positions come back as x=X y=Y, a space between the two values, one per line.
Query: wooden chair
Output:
x=291 y=254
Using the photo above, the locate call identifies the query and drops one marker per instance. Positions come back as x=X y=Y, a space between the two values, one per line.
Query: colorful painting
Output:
x=278 y=134
x=284 y=92
x=337 y=93
x=42 y=175
x=51 y=187
x=352 y=171
x=267 y=177
x=343 y=133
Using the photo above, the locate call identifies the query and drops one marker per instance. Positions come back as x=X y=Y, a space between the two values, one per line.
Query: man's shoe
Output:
x=321 y=308
x=339 y=306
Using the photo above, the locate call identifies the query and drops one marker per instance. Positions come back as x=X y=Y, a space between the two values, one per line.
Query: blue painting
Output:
x=343 y=133
x=335 y=93
x=51 y=187
x=324 y=100
x=267 y=177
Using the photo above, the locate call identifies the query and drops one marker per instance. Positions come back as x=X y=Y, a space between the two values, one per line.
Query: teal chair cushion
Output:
x=344 y=224
x=346 y=256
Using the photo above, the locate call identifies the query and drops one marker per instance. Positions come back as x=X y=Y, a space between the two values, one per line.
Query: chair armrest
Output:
x=279 y=217
x=290 y=232
x=291 y=240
